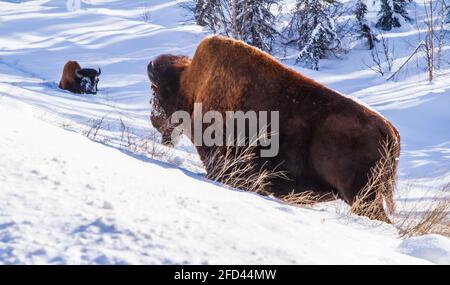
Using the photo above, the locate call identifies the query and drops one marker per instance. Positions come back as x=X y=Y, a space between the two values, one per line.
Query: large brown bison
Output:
x=328 y=142
x=79 y=80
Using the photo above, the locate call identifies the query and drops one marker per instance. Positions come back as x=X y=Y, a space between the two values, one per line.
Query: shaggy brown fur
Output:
x=69 y=81
x=328 y=142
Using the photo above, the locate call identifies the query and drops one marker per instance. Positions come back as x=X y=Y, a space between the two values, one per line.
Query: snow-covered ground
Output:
x=65 y=198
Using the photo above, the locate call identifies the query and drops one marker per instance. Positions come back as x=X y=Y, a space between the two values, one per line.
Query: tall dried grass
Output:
x=425 y=216
x=379 y=190
x=235 y=166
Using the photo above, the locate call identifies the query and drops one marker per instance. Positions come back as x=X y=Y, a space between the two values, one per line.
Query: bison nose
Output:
x=151 y=71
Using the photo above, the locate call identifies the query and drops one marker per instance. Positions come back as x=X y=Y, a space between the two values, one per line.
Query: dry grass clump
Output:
x=128 y=140
x=379 y=190
x=236 y=168
x=426 y=217
x=147 y=144
x=307 y=198
x=376 y=201
x=96 y=126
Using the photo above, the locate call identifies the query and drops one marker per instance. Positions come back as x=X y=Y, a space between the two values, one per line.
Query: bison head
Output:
x=165 y=75
x=88 y=78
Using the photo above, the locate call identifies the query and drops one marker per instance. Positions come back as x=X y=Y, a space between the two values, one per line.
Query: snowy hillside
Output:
x=65 y=199
x=73 y=189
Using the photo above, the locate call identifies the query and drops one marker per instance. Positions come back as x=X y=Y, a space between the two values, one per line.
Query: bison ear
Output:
x=99 y=72
x=77 y=73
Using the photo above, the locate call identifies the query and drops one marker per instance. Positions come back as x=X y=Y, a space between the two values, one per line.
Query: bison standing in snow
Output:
x=79 y=80
x=328 y=142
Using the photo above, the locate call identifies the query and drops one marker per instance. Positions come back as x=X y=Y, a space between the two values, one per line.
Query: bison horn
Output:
x=99 y=72
x=150 y=71
x=78 y=74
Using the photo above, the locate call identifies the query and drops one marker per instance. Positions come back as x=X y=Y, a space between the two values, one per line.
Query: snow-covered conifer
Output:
x=256 y=23
x=391 y=12
x=363 y=26
x=312 y=30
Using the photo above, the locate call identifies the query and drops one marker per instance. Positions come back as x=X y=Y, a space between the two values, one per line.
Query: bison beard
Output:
x=328 y=142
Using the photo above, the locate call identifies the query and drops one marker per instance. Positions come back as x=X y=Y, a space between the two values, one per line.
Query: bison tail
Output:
x=376 y=198
x=390 y=152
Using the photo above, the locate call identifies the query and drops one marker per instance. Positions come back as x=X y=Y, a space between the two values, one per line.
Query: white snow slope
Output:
x=68 y=199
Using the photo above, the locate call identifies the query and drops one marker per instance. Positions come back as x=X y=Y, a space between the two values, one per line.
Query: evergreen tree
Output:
x=400 y=8
x=207 y=13
x=312 y=30
x=249 y=20
x=256 y=23
x=364 y=27
x=390 y=13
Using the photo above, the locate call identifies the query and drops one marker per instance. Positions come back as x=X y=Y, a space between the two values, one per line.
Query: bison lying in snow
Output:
x=79 y=80
x=328 y=142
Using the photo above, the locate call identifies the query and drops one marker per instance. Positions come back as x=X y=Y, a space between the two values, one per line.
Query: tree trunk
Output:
x=430 y=44
x=234 y=29
x=442 y=17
